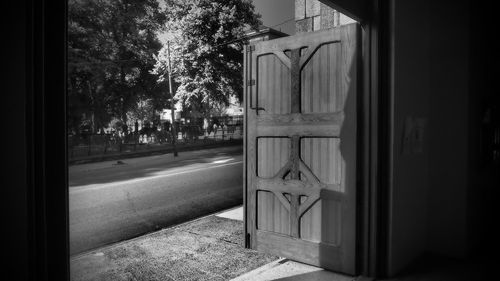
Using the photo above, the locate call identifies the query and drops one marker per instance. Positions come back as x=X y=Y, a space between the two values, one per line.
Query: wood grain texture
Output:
x=245 y=134
x=322 y=124
x=295 y=79
x=348 y=145
x=301 y=178
x=321 y=76
x=294 y=171
x=285 y=59
x=309 y=40
x=273 y=154
x=273 y=85
x=314 y=253
x=251 y=151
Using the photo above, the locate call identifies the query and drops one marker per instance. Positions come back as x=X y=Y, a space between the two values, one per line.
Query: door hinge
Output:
x=251 y=82
x=247 y=240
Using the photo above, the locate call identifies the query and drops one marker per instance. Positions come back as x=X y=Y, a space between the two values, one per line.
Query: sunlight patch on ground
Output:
x=175 y=172
x=220 y=161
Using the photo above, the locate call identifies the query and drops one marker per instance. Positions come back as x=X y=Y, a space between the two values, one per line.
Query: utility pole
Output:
x=172 y=104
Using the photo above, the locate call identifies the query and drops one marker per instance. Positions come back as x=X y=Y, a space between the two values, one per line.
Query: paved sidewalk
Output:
x=284 y=269
x=223 y=258
x=209 y=248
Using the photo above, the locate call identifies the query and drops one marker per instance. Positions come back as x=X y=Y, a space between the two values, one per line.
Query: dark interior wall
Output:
x=411 y=97
x=442 y=200
x=34 y=228
x=14 y=205
x=449 y=129
x=484 y=176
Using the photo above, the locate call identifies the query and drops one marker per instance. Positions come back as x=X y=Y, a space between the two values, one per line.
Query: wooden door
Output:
x=300 y=147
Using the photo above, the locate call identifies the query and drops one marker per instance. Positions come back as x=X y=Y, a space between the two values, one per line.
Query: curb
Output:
x=134 y=154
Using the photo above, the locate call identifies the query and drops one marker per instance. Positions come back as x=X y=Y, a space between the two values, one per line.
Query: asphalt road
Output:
x=111 y=202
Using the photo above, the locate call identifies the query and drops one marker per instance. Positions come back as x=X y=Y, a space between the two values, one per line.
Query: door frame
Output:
x=48 y=233
x=374 y=134
x=46 y=146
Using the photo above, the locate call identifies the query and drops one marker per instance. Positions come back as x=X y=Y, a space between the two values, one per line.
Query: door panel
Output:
x=273 y=77
x=322 y=156
x=320 y=79
x=300 y=147
x=272 y=154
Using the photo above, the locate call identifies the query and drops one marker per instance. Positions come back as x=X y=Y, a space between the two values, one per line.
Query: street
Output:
x=113 y=201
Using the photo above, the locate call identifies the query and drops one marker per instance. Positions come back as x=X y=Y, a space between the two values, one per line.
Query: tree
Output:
x=144 y=111
x=206 y=50
x=111 y=47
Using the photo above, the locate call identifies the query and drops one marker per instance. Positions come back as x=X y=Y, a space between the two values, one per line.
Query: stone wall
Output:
x=312 y=15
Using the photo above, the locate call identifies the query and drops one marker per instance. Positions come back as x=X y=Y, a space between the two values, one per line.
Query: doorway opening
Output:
x=117 y=118
x=155 y=133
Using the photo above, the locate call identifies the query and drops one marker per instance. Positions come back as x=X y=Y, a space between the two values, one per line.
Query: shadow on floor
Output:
x=436 y=268
x=316 y=276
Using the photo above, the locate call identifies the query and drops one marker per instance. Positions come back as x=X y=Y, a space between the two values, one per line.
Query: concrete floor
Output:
x=286 y=270
x=283 y=269
x=429 y=269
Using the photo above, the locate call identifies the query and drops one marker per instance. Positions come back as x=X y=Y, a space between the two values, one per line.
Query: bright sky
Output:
x=275 y=12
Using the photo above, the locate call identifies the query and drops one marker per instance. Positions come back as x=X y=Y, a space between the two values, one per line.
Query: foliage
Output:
x=206 y=50
x=111 y=47
x=145 y=110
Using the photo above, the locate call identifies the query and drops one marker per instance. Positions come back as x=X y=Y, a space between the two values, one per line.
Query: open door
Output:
x=300 y=147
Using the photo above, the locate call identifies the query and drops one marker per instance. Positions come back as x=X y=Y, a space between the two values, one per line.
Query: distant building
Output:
x=166 y=115
x=264 y=33
x=235 y=108
x=312 y=15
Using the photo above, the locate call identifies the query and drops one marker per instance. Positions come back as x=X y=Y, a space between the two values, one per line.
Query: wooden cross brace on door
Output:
x=295 y=187
x=312 y=188
x=303 y=88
